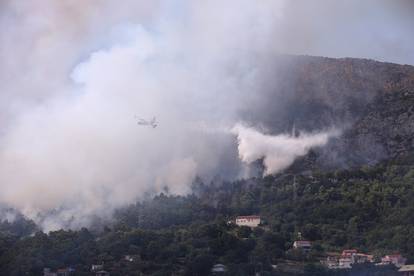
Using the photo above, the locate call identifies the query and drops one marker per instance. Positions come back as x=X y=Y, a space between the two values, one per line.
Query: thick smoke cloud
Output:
x=74 y=74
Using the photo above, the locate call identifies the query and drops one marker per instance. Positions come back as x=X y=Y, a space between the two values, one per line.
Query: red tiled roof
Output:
x=349 y=252
x=394 y=256
x=248 y=217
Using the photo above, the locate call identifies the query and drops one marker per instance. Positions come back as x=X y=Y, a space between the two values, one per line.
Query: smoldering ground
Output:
x=75 y=74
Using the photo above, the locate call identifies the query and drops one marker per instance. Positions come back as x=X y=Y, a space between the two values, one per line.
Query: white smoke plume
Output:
x=75 y=73
x=277 y=151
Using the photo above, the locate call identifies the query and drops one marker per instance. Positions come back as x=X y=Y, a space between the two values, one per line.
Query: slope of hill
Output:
x=371 y=102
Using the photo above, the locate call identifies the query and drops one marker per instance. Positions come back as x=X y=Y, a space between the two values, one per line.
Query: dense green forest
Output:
x=368 y=208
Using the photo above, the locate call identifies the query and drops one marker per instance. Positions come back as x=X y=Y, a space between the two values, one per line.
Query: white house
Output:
x=331 y=262
x=96 y=267
x=218 y=269
x=361 y=258
x=395 y=259
x=345 y=262
x=250 y=221
x=304 y=245
x=407 y=270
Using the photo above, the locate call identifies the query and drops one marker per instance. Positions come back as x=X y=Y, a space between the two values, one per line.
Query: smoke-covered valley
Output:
x=75 y=76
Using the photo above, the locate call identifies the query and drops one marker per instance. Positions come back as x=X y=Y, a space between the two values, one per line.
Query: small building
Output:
x=64 y=271
x=303 y=245
x=48 y=272
x=407 y=270
x=365 y=258
x=352 y=256
x=349 y=252
x=346 y=259
x=250 y=221
x=97 y=267
x=395 y=259
x=345 y=262
x=361 y=258
x=331 y=262
x=218 y=269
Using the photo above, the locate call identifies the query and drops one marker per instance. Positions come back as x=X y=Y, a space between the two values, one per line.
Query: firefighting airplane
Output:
x=153 y=122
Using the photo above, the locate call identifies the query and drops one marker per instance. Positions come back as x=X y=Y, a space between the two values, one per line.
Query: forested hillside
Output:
x=369 y=208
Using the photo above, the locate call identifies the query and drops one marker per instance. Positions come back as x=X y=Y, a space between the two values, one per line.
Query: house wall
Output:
x=248 y=222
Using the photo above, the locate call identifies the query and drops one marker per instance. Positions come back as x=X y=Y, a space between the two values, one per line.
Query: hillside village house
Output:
x=96 y=267
x=303 y=245
x=345 y=262
x=349 y=252
x=395 y=259
x=407 y=270
x=331 y=262
x=351 y=256
x=347 y=259
x=361 y=258
x=218 y=269
x=250 y=221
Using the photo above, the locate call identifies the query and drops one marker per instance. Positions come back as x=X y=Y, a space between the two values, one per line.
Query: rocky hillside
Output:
x=371 y=102
x=385 y=130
